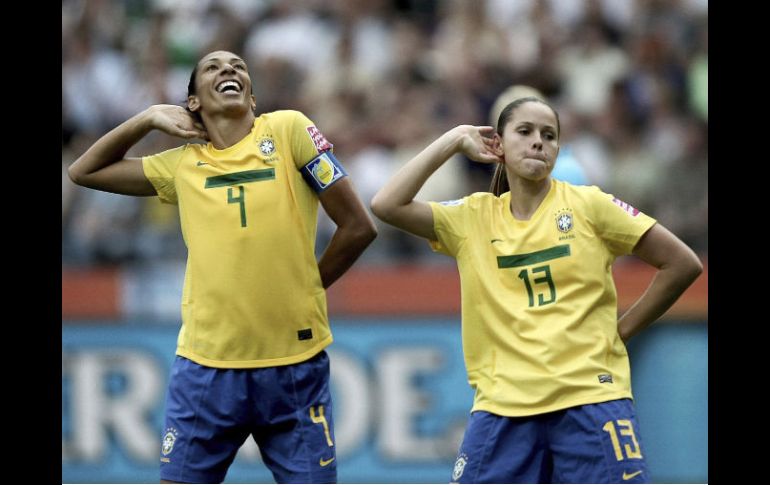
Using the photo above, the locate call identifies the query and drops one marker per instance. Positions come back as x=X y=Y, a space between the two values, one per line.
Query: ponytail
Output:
x=499 y=183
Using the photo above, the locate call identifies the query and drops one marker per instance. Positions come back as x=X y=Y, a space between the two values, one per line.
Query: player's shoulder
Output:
x=582 y=193
x=481 y=198
x=288 y=116
x=286 y=123
x=176 y=153
x=474 y=201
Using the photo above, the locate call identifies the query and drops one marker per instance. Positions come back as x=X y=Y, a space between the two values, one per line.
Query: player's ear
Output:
x=193 y=103
x=253 y=102
x=497 y=145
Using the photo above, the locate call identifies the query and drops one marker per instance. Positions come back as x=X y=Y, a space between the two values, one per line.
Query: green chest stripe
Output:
x=516 y=260
x=237 y=178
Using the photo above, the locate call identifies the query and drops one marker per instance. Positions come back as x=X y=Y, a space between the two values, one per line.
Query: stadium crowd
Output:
x=381 y=79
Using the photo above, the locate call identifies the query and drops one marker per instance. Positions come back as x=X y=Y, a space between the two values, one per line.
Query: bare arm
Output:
x=395 y=204
x=678 y=266
x=103 y=166
x=355 y=230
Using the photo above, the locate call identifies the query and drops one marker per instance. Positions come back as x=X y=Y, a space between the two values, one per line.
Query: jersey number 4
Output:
x=233 y=181
x=241 y=199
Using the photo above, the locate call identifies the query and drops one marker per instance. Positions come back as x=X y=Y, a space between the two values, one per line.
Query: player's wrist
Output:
x=456 y=137
x=146 y=120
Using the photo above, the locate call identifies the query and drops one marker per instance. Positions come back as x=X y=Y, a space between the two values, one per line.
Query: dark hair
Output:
x=191 y=89
x=499 y=183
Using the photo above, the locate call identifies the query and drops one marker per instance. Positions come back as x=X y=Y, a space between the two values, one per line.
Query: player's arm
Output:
x=678 y=266
x=355 y=230
x=103 y=166
x=394 y=203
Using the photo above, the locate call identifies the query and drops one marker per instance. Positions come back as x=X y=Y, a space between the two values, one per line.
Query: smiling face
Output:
x=221 y=84
x=529 y=141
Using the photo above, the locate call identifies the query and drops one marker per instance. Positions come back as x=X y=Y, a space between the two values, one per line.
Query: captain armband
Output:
x=321 y=172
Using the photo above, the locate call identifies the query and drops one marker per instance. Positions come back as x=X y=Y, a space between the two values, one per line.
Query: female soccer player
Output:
x=544 y=349
x=250 y=354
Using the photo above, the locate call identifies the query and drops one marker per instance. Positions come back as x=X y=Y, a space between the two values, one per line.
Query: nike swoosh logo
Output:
x=495 y=240
x=201 y=163
x=323 y=462
x=629 y=476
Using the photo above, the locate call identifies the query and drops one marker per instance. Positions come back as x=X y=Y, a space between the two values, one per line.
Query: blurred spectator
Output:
x=629 y=78
x=589 y=67
x=698 y=74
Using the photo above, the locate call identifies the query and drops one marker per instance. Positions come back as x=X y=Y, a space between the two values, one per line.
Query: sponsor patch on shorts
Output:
x=167 y=446
x=459 y=467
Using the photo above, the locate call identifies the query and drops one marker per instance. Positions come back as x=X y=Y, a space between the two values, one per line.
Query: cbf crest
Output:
x=266 y=146
x=168 y=441
x=565 y=222
x=459 y=468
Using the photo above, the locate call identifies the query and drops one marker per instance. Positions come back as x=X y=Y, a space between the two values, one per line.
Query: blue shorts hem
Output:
x=192 y=477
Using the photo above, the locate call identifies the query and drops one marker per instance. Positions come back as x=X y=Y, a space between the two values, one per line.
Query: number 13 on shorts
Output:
x=623 y=428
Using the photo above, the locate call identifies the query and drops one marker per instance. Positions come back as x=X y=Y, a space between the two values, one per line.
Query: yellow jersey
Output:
x=252 y=294
x=539 y=306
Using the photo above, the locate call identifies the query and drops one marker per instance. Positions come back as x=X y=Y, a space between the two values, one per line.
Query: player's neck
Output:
x=527 y=195
x=225 y=132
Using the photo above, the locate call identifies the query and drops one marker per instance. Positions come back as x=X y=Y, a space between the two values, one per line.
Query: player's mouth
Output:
x=542 y=158
x=229 y=86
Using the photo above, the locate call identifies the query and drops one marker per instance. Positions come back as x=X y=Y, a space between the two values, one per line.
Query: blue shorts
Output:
x=211 y=412
x=594 y=443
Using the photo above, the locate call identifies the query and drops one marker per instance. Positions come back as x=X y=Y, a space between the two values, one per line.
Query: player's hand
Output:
x=477 y=143
x=176 y=121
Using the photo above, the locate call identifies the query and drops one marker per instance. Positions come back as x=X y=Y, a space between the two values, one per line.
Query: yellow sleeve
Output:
x=618 y=224
x=160 y=170
x=307 y=142
x=449 y=224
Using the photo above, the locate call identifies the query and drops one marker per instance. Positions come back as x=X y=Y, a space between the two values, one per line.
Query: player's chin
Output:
x=235 y=106
x=538 y=170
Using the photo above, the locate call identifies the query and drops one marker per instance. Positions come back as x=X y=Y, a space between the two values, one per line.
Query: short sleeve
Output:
x=618 y=224
x=307 y=141
x=450 y=225
x=160 y=170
